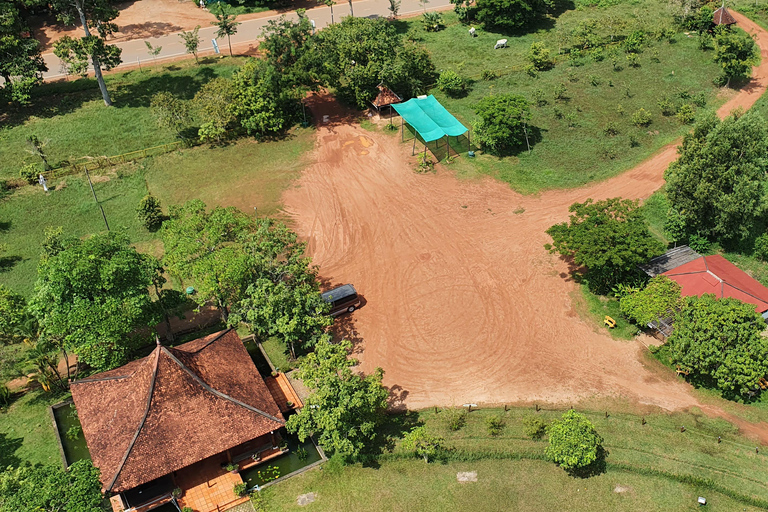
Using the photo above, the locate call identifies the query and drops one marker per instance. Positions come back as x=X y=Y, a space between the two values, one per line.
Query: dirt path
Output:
x=463 y=304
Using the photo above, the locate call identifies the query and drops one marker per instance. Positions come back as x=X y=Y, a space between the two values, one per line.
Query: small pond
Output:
x=287 y=463
x=167 y=507
x=71 y=433
x=258 y=358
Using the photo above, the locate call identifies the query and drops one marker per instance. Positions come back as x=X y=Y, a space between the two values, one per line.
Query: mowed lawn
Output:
x=649 y=467
x=573 y=148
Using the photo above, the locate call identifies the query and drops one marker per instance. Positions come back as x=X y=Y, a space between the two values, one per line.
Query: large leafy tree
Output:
x=283 y=300
x=90 y=14
x=260 y=103
x=287 y=47
x=343 y=409
x=609 y=238
x=422 y=442
x=736 y=52
x=92 y=294
x=503 y=122
x=721 y=339
x=51 y=488
x=573 y=442
x=716 y=188
x=21 y=64
x=511 y=14
x=208 y=249
x=659 y=299
x=213 y=105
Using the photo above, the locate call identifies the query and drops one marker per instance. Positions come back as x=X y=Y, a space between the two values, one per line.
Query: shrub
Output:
x=149 y=212
x=239 y=489
x=573 y=442
x=597 y=54
x=611 y=129
x=301 y=453
x=426 y=164
x=700 y=100
x=699 y=243
x=686 y=114
x=572 y=119
x=655 y=56
x=5 y=189
x=538 y=56
x=667 y=106
x=557 y=113
x=489 y=75
x=187 y=509
x=560 y=92
x=29 y=173
x=531 y=71
x=5 y=394
x=452 y=84
x=572 y=77
x=534 y=427
x=633 y=141
x=634 y=41
x=761 y=247
x=433 y=21
x=457 y=418
x=494 y=424
x=502 y=123
x=620 y=109
x=538 y=98
x=594 y=80
x=641 y=117
x=633 y=60
x=73 y=432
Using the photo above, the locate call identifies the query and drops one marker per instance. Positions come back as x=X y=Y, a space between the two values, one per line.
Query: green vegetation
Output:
x=278 y=354
x=568 y=134
x=574 y=444
x=659 y=299
x=26 y=432
x=650 y=465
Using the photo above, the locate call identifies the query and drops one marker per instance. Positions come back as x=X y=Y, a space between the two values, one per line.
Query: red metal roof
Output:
x=716 y=275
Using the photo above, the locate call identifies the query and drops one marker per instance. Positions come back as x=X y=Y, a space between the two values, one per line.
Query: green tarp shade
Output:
x=429 y=118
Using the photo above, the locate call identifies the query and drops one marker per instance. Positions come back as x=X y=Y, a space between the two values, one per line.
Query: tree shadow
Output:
x=8 y=448
x=51 y=100
x=149 y=29
x=344 y=328
x=596 y=468
x=394 y=426
x=139 y=94
x=8 y=262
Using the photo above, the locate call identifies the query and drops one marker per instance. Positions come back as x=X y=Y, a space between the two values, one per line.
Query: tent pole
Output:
x=413 y=149
x=402 y=130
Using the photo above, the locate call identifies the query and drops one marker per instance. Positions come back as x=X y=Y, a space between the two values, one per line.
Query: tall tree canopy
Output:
x=21 y=64
x=511 y=14
x=736 y=52
x=259 y=100
x=51 y=488
x=90 y=14
x=610 y=238
x=716 y=188
x=721 y=339
x=503 y=122
x=92 y=294
x=573 y=442
x=344 y=409
x=659 y=299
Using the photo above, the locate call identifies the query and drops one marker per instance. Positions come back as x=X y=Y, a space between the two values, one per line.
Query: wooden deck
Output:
x=283 y=392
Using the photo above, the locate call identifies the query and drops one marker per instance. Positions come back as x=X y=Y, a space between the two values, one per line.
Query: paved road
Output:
x=135 y=51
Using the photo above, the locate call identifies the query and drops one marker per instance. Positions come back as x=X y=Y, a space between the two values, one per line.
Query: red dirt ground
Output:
x=463 y=304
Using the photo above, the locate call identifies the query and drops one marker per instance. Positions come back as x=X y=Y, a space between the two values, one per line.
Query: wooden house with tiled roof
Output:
x=723 y=17
x=146 y=423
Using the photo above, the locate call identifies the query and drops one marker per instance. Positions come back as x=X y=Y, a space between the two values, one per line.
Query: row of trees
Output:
x=21 y=64
x=51 y=488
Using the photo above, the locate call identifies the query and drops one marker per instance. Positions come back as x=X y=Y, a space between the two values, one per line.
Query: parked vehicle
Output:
x=342 y=299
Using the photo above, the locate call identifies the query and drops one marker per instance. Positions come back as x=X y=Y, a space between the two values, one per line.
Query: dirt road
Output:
x=463 y=304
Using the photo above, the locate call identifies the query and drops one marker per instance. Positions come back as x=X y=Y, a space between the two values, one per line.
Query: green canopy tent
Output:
x=430 y=120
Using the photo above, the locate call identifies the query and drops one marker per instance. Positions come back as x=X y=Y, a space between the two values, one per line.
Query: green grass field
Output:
x=658 y=467
x=570 y=156
x=27 y=432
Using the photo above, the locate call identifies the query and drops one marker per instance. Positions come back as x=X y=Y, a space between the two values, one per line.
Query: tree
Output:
x=213 y=104
x=260 y=103
x=722 y=340
x=21 y=64
x=328 y=3
x=573 y=442
x=50 y=488
x=208 y=249
x=736 y=52
x=659 y=299
x=92 y=294
x=287 y=46
x=284 y=298
x=96 y=14
x=510 y=14
x=463 y=9
x=13 y=315
x=149 y=212
x=343 y=409
x=394 y=8
x=609 y=238
x=227 y=25
x=503 y=121
x=538 y=56
x=154 y=51
x=716 y=187
x=191 y=41
x=423 y=443
x=170 y=111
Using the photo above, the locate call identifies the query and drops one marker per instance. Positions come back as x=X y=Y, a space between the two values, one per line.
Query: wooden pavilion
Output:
x=173 y=419
x=385 y=98
x=723 y=17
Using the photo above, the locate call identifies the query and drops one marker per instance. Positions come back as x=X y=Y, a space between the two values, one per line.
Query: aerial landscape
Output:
x=383 y=255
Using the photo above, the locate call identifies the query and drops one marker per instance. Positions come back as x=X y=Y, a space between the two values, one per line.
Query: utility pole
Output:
x=96 y=198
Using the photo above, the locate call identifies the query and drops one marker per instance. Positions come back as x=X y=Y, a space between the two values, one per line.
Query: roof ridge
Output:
x=216 y=392
x=215 y=338
x=143 y=420
x=745 y=292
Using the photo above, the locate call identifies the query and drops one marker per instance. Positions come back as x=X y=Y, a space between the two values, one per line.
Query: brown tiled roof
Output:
x=723 y=17
x=385 y=97
x=173 y=408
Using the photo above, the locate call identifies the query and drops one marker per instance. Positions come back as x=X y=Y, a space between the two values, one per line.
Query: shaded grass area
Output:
x=26 y=430
x=73 y=121
x=570 y=156
x=655 y=464
x=596 y=307
x=278 y=354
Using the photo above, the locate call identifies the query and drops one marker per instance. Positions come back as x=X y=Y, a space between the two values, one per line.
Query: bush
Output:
x=560 y=92
x=187 y=509
x=29 y=173
x=611 y=129
x=489 y=75
x=534 y=427
x=594 y=80
x=538 y=56
x=641 y=117
x=452 y=84
x=494 y=424
x=5 y=395
x=240 y=489
x=73 y=432
x=502 y=123
x=667 y=106
x=149 y=212
x=633 y=60
x=457 y=418
x=573 y=442
x=634 y=41
x=433 y=21
x=686 y=114
x=761 y=247
x=538 y=98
